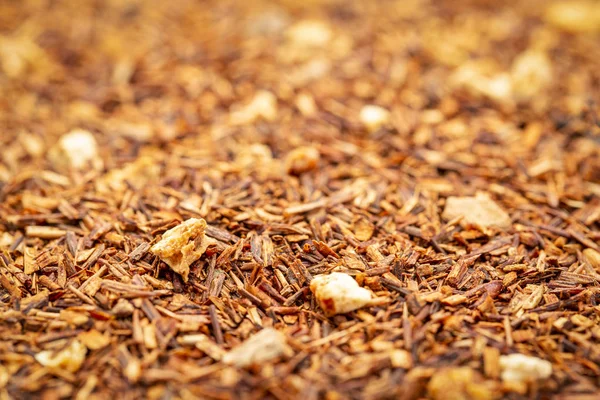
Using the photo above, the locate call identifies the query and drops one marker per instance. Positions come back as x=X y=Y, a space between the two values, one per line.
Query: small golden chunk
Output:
x=374 y=117
x=182 y=245
x=310 y=33
x=75 y=150
x=70 y=358
x=339 y=293
x=262 y=106
x=522 y=368
x=462 y=383
x=301 y=160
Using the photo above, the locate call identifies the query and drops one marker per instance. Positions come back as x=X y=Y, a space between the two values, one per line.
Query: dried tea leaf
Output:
x=363 y=229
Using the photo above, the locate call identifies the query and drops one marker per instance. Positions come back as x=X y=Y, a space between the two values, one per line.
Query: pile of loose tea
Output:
x=319 y=199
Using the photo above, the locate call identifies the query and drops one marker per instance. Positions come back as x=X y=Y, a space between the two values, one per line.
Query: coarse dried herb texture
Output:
x=312 y=137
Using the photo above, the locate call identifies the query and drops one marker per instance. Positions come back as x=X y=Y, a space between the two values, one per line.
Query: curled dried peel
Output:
x=338 y=293
x=182 y=245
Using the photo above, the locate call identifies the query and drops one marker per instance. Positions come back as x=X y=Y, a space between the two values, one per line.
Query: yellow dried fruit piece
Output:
x=574 y=15
x=479 y=210
x=482 y=79
x=137 y=173
x=339 y=293
x=531 y=73
x=70 y=358
x=263 y=105
x=309 y=33
x=93 y=339
x=301 y=160
x=254 y=155
x=374 y=117
x=306 y=104
x=182 y=245
x=75 y=150
x=461 y=383
x=522 y=368
x=262 y=347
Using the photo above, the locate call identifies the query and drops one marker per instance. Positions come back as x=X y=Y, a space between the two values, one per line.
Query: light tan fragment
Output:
x=401 y=359
x=306 y=104
x=363 y=229
x=479 y=210
x=29 y=264
x=75 y=150
x=301 y=160
x=309 y=33
x=483 y=79
x=531 y=73
x=260 y=348
x=182 y=245
x=204 y=344
x=44 y=232
x=455 y=300
x=574 y=15
x=459 y=383
x=255 y=155
x=137 y=174
x=374 y=117
x=339 y=293
x=70 y=358
x=263 y=105
x=593 y=258
x=522 y=368
x=33 y=202
x=93 y=339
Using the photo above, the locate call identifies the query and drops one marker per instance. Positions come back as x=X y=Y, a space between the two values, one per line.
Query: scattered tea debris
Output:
x=300 y=200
